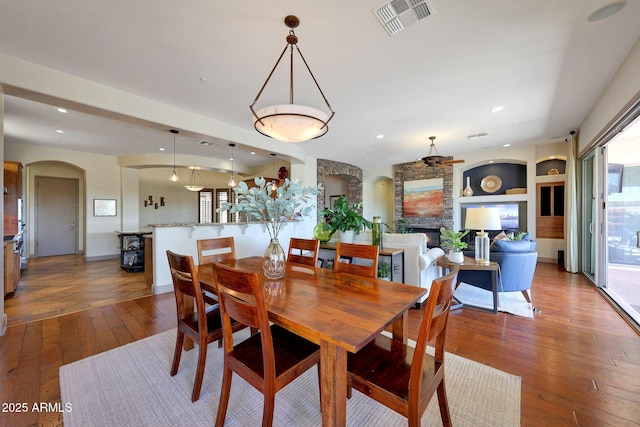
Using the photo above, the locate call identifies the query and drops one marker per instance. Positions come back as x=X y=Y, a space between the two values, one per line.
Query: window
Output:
x=207 y=209
x=205 y=206
x=550 y=216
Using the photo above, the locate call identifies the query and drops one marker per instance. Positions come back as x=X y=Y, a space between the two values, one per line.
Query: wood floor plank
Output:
x=578 y=359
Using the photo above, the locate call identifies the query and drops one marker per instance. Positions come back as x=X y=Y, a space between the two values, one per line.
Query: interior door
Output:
x=56 y=216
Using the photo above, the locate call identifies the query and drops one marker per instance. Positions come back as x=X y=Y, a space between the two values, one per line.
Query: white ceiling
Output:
x=542 y=60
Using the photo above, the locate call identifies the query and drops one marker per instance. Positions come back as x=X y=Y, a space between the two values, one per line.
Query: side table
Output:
x=470 y=264
x=388 y=252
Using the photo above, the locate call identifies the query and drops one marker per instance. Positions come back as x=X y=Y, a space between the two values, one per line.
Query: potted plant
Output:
x=273 y=209
x=384 y=270
x=452 y=240
x=346 y=219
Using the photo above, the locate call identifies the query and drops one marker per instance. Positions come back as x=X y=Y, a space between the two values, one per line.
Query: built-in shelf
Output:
x=493 y=199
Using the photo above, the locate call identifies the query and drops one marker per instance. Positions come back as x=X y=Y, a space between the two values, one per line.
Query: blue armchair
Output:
x=517 y=260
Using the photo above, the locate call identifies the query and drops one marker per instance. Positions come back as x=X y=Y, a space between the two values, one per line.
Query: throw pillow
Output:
x=506 y=245
x=500 y=236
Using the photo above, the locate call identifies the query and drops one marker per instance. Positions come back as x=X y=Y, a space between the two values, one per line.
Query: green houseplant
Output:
x=344 y=218
x=384 y=270
x=452 y=240
x=274 y=209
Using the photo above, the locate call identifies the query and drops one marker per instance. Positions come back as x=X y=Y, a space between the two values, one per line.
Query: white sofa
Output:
x=419 y=261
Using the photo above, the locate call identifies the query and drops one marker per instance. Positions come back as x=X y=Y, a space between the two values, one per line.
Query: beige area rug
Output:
x=508 y=302
x=131 y=386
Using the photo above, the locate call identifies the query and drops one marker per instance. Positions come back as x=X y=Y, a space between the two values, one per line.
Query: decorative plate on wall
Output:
x=491 y=183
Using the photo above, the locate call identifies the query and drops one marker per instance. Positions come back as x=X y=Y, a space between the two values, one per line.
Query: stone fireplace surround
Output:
x=402 y=172
x=415 y=171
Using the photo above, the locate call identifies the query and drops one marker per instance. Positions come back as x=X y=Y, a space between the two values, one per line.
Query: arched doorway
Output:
x=55 y=206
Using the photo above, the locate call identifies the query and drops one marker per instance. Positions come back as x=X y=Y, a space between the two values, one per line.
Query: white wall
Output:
x=335 y=186
x=624 y=86
x=102 y=181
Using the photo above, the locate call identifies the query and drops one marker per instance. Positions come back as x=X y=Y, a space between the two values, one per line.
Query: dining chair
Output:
x=269 y=359
x=348 y=253
x=215 y=250
x=303 y=251
x=400 y=376
x=203 y=325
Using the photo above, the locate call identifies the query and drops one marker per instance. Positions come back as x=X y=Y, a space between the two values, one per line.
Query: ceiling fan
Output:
x=435 y=159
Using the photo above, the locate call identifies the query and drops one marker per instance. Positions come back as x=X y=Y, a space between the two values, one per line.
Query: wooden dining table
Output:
x=340 y=312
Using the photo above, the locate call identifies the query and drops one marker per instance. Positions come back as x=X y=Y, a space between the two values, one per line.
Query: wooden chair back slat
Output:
x=303 y=251
x=353 y=251
x=224 y=249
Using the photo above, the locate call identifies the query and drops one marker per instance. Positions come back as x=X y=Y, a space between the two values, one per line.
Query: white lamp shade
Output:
x=482 y=219
x=291 y=122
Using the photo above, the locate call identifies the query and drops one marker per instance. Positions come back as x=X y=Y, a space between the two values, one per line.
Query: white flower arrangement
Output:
x=272 y=207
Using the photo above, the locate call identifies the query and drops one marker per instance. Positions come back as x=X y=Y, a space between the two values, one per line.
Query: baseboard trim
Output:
x=161 y=289
x=101 y=257
x=5 y=321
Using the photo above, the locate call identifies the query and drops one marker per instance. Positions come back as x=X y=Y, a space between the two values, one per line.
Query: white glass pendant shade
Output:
x=195 y=181
x=291 y=122
x=232 y=181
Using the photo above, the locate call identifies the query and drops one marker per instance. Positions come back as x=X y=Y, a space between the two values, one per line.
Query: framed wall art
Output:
x=424 y=198
x=104 y=207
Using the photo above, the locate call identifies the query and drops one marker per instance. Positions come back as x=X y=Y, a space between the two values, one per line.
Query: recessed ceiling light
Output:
x=490 y=161
x=497 y=108
x=552 y=157
x=253 y=152
x=59 y=131
x=62 y=110
x=379 y=136
x=607 y=11
x=203 y=79
x=506 y=145
x=161 y=149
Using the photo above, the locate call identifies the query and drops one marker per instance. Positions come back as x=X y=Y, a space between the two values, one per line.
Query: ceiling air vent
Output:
x=396 y=15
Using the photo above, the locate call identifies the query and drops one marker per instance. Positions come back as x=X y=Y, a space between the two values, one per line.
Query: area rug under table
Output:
x=131 y=386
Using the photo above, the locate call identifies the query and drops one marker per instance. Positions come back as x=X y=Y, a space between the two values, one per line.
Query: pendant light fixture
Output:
x=174 y=174
x=274 y=184
x=196 y=182
x=232 y=180
x=291 y=122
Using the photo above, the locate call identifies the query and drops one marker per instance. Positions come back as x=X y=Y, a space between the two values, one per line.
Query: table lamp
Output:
x=482 y=219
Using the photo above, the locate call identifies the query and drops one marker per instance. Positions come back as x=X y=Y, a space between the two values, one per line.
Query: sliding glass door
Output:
x=622 y=194
x=610 y=212
x=589 y=216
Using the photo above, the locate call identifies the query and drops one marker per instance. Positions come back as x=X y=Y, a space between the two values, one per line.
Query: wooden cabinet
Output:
x=11 y=268
x=148 y=259
x=550 y=210
x=13 y=192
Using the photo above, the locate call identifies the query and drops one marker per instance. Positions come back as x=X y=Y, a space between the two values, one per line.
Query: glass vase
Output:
x=274 y=262
x=376 y=232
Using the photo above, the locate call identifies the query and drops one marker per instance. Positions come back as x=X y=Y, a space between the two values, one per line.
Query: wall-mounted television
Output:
x=513 y=215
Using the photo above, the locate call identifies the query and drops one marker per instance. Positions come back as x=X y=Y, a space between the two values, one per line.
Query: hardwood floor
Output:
x=578 y=359
x=52 y=286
